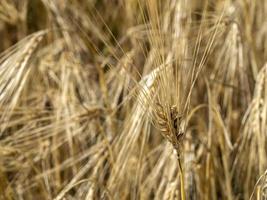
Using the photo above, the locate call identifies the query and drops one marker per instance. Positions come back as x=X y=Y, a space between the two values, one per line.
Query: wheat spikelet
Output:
x=169 y=124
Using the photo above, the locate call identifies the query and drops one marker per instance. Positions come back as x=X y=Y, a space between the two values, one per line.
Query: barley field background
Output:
x=133 y=99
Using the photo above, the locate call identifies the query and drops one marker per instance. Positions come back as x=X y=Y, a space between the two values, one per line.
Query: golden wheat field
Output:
x=133 y=99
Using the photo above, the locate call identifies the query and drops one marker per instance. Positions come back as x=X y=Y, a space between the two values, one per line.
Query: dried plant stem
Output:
x=182 y=184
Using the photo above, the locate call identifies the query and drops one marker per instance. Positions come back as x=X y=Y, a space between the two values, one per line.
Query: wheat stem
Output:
x=183 y=197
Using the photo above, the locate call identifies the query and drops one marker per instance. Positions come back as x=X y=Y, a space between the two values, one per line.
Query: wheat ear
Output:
x=169 y=123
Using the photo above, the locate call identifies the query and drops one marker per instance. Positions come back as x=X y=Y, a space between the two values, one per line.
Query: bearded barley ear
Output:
x=169 y=124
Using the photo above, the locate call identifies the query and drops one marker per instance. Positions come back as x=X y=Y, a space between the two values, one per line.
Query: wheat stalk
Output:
x=170 y=125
